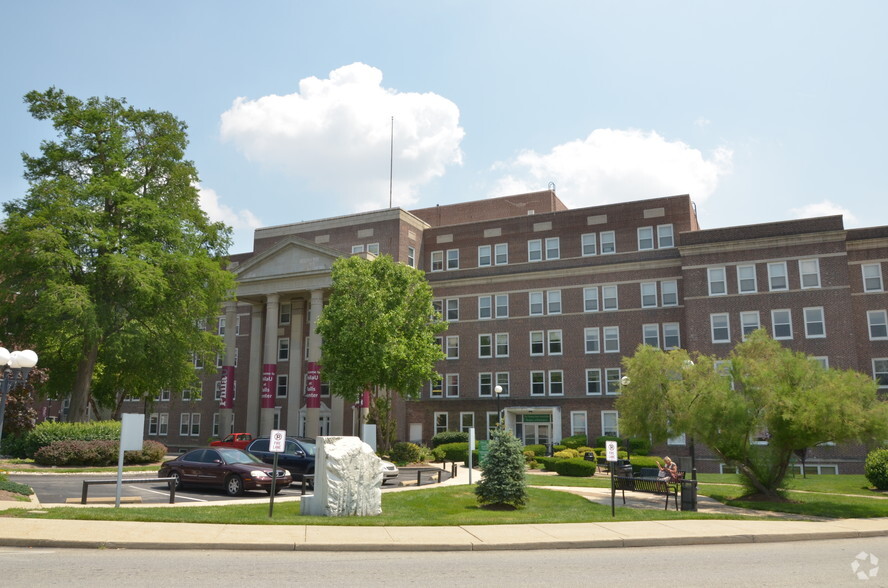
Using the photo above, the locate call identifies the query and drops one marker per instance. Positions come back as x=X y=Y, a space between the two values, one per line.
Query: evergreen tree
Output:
x=504 y=483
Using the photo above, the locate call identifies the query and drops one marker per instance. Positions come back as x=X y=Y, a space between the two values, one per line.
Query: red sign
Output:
x=227 y=400
x=269 y=375
x=313 y=385
x=365 y=399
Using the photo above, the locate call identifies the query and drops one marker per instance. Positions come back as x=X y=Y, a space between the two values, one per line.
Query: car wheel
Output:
x=177 y=480
x=234 y=486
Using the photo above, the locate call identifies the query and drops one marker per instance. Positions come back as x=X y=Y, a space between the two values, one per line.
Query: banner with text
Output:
x=227 y=400
x=313 y=385
x=269 y=375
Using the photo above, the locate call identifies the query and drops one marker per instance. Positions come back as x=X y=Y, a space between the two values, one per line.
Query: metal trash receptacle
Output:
x=689 y=495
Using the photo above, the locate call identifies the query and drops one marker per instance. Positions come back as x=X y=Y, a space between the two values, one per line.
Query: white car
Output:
x=389 y=471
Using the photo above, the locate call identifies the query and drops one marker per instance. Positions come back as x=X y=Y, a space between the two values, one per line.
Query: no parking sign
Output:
x=278 y=440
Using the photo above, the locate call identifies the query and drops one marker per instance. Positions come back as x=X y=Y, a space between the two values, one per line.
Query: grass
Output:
x=25 y=466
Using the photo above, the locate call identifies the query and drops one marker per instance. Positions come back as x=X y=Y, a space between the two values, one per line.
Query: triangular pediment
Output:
x=291 y=257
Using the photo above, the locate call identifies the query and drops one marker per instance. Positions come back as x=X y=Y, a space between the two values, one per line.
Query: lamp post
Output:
x=497 y=391
x=688 y=364
x=16 y=366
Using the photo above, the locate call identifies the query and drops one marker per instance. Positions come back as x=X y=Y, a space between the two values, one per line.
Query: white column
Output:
x=226 y=406
x=269 y=364
x=313 y=410
x=297 y=357
x=254 y=386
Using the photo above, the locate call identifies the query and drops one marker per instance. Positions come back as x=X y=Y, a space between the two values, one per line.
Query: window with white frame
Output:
x=649 y=294
x=554 y=338
x=777 y=276
x=436 y=388
x=553 y=302
x=665 y=237
x=749 y=322
x=781 y=324
x=537 y=346
x=282 y=385
x=651 y=335
x=466 y=421
x=437 y=261
x=451 y=385
x=721 y=331
x=485 y=345
x=358 y=248
x=485 y=310
x=746 y=281
x=217 y=390
x=718 y=285
x=590 y=299
x=645 y=238
x=809 y=273
x=534 y=250
x=536 y=303
x=152 y=424
x=578 y=423
x=218 y=360
x=220 y=326
x=609 y=298
x=411 y=256
x=593 y=339
x=485 y=385
x=878 y=324
x=610 y=423
x=452 y=306
x=553 y=248
x=669 y=292
x=195 y=424
x=453 y=259
x=186 y=395
x=502 y=380
x=373 y=248
x=502 y=345
x=593 y=382
x=671 y=336
x=164 y=396
x=537 y=383
x=880 y=371
x=815 y=327
x=163 y=424
x=501 y=254
x=678 y=440
x=285 y=313
x=492 y=421
x=484 y=255
x=441 y=422
x=451 y=346
x=185 y=424
x=611 y=339
x=872 y=277
x=215 y=424
x=589 y=244
x=502 y=305
x=284 y=349
x=556 y=383
x=608 y=242
x=237 y=329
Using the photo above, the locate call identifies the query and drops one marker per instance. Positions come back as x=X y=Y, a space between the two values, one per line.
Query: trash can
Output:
x=689 y=495
x=590 y=456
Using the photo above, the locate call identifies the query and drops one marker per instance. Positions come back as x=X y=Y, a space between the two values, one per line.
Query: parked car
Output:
x=232 y=470
x=389 y=471
x=236 y=440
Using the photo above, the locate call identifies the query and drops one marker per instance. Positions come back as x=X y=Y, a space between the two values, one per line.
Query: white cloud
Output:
x=243 y=222
x=336 y=134
x=825 y=208
x=612 y=165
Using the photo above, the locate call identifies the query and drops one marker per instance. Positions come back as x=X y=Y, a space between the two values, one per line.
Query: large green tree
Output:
x=110 y=267
x=378 y=333
x=753 y=409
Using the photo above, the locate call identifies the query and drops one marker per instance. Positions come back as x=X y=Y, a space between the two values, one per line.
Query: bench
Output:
x=649 y=484
x=170 y=481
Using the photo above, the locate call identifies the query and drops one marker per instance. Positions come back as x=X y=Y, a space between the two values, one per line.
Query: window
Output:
x=872 y=277
x=502 y=380
x=554 y=337
x=593 y=340
x=452 y=346
x=823 y=361
x=186 y=395
x=590 y=299
x=608 y=242
x=880 y=371
x=484 y=258
x=717 y=284
x=189 y=424
x=534 y=250
x=536 y=343
x=485 y=345
x=611 y=339
x=485 y=385
x=501 y=253
x=215 y=424
x=721 y=331
x=536 y=303
x=357 y=248
x=556 y=383
x=645 y=238
x=373 y=248
x=285 y=313
x=466 y=421
x=593 y=382
x=777 y=276
x=553 y=248
x=436 y=388
x=578 y=423
x=671 y=336
x=669 y=292
x=437 y=261
x=441 y=425
x=749 y=322
x=553 y=302
x=649 y=294
x=612 y=381
x=665 y=238
x=197 y=361
x=164 y=396
x=152 y=424
x=451 y=382
x=746 y=282
x=878 y=324
x=284 y=349
x=809 y=273
x=781 y=324
x=220 y=326
x=502 y=345
x=282 y=384
x=651 y=335
x=589 y=244
x=815 y=328
x=484 y=307
x=217 y=390
x=502 y=305
x=453 y=259
x=609 y=298
x=411 y=256
x=218 y=360
x=609 y=423
x=452 y=305
x=163 y=424
x=537 y=383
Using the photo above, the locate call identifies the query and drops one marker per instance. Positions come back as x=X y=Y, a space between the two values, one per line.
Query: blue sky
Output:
x=761 y=111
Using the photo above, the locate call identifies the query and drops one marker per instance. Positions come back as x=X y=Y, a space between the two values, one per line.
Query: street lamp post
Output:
x=497 y=391
x=16 y=366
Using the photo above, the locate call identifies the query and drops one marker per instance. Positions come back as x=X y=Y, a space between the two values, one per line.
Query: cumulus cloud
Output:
x=825 y=208
x=335 y=133
x=613 y=165
x=243 y=222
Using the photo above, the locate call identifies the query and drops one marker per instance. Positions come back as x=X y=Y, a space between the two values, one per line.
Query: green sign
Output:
x=482 y=450
x=537 y=418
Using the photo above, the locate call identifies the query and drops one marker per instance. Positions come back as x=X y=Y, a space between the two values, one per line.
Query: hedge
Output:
x=576 y=467
x=537 y=449
x=47 y=432
x=449 y=437
x=403 y=453
x=96 y=453
x=876 y=468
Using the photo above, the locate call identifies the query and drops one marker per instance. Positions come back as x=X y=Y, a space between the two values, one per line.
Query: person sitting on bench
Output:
x=668 y=471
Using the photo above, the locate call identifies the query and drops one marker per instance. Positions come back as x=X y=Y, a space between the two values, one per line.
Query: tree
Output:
x=754 y=410
x=378 y=332
x=504 y=483
x=110 y=267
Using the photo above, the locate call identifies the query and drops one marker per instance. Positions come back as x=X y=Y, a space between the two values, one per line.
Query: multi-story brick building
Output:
x=542 y=302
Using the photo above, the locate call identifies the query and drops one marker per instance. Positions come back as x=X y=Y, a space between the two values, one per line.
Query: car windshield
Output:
x=309 y=446
x=237 y=456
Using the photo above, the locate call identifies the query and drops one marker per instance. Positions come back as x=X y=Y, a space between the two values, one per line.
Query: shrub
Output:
x=13 y=446
x=576 y=467
x=547 y=463
x=574 y=441
x=558 y=448
x=643 y=461
x=455 y=451
x=96 y=453
x=151 y=452
x=449 y=437
x=503 y=482
x=876 y=468
x=47 y=432
x=639 y=446
x=403 y=453
x=567 y=454
x=537 y=449
x=584 y=450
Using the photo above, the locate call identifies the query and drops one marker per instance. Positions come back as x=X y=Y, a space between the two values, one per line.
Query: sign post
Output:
x=131 y=428
x=471 y=449
x=276 y=444
x=611 y=450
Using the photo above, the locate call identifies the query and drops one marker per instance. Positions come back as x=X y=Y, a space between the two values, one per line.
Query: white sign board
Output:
x=610 y=448
x=131 y=428
x=278 y=441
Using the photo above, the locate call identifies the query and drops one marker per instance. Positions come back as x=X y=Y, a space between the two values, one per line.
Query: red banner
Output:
x=269 y=375
x=313 y=385
x=365 y=399
x=227 y=400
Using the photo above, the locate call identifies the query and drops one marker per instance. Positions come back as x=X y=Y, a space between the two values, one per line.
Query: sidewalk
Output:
x=134 y=535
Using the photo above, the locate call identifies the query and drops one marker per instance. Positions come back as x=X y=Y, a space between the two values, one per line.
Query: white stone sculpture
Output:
x=348 y=479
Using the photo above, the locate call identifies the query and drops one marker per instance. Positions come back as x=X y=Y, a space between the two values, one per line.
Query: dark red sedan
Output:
x=230 y=469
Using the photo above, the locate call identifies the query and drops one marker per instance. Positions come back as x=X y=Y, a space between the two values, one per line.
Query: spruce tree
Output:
x=503 y=483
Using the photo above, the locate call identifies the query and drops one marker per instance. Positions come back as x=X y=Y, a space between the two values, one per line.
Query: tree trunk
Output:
x=80 y=393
